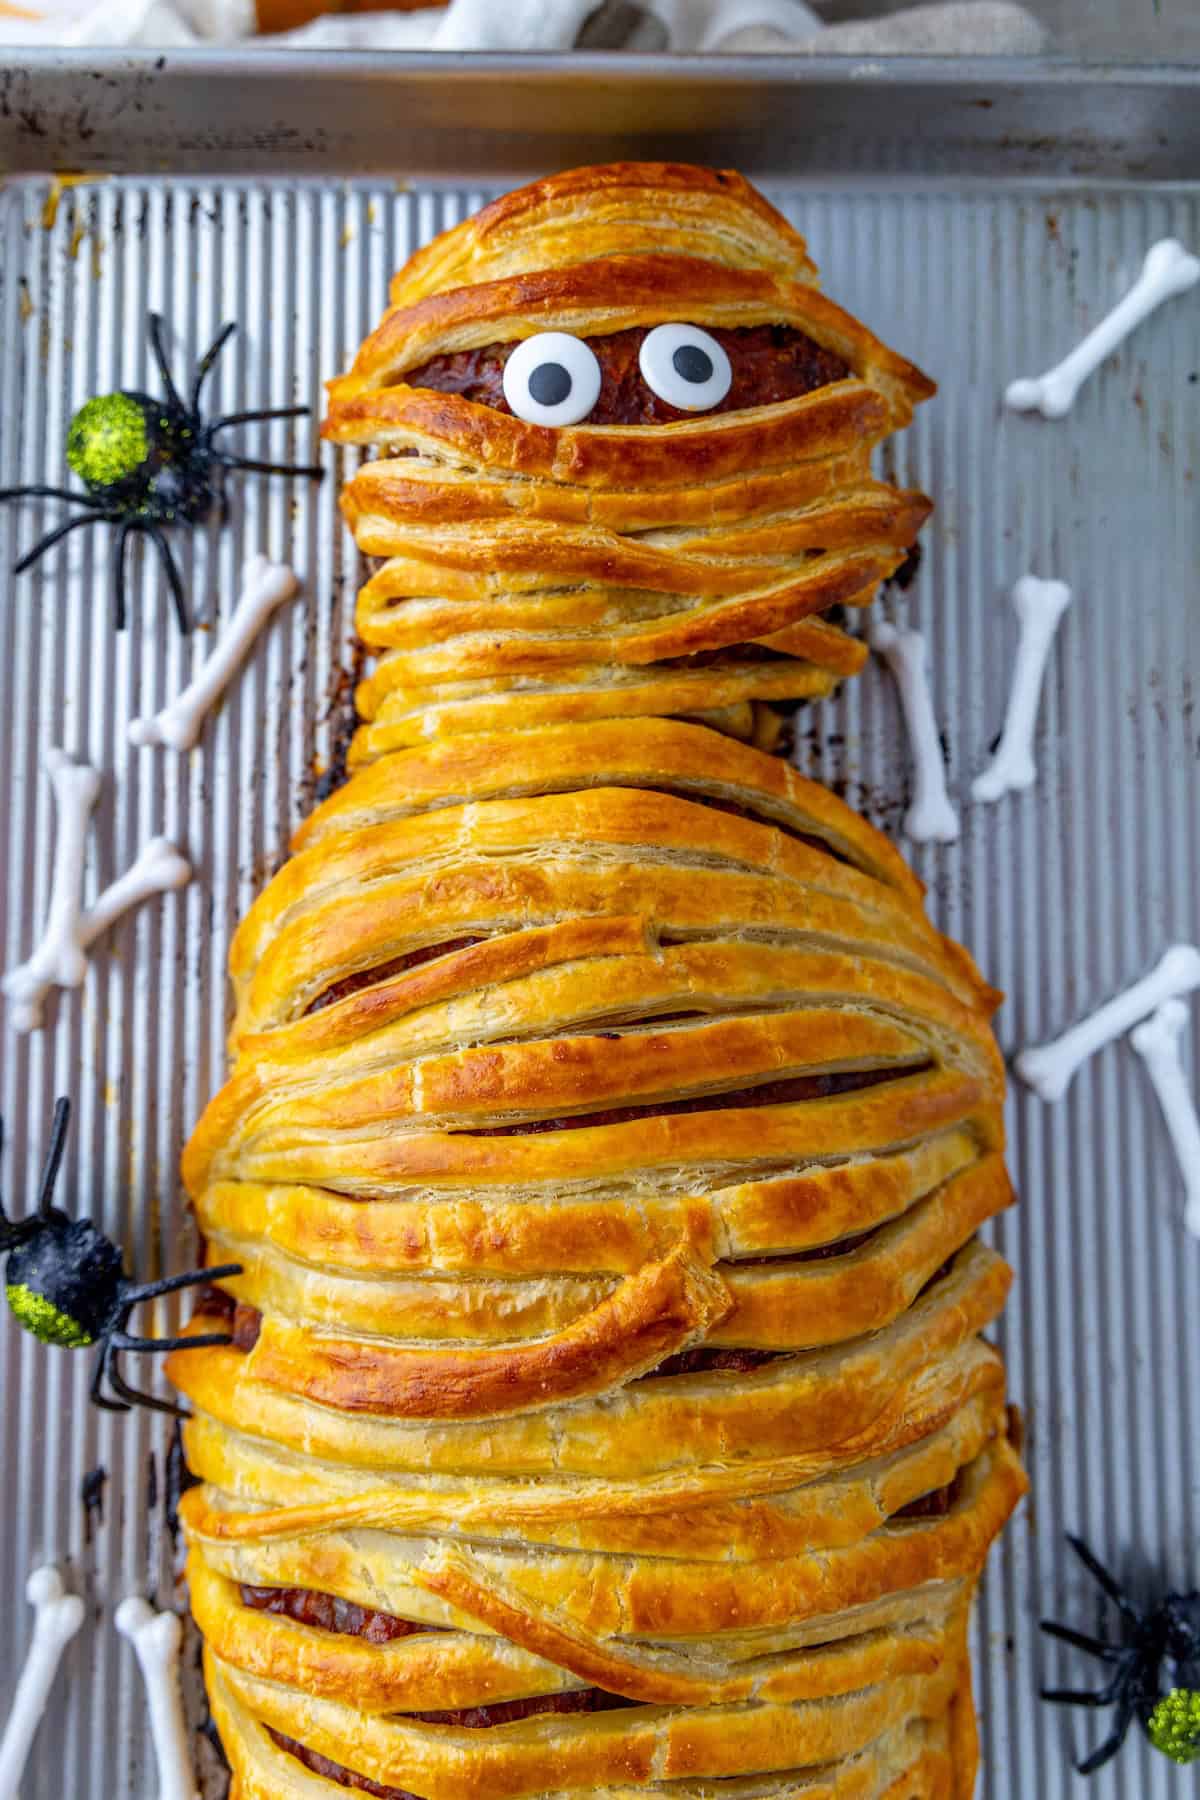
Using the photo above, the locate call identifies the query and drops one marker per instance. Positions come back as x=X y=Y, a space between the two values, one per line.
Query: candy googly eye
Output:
x=552 y=379
x=685 y=367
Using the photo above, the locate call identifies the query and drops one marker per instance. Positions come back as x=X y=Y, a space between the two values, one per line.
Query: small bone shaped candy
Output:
x=60 y=958
x=1039 y=606
x=157 y=1637
x=931 y=815
x=57 y=1617
x=265 y=587
x=1158 y=1043
x=1049 y=1068
x=1167 y=270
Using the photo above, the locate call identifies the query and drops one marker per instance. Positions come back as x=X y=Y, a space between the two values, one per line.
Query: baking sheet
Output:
x=1064 y=894
x=497 y=117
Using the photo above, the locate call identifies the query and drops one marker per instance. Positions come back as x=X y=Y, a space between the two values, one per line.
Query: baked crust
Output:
x=608 y=1128
x=536 y=575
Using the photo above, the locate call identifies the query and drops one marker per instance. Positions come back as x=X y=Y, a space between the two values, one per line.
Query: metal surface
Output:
x=482 y=117
x=1065 y=894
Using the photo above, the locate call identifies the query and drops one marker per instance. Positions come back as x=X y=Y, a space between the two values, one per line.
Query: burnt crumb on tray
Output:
x=906 y=574
x=324 y=777
x=179 y=1479
x=91 y=1496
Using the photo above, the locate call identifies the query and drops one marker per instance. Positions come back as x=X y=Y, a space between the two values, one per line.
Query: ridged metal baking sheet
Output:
x=1064 y=894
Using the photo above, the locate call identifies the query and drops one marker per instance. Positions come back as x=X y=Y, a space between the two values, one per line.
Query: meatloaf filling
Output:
x=770 y=363
x=472 y=1718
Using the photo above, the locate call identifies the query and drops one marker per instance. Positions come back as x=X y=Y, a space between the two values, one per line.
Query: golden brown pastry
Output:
x=542 y=575
x=608 y=1128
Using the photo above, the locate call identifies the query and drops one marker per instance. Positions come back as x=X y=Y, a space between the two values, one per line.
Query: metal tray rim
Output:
x=437 y=117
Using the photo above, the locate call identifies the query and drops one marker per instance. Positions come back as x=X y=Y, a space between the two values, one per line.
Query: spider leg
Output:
x=50 y=493
x=195 y=1278
x=60 y=531
x=205 y=365
x=1080 y=1641
x=99 y=1397
x=209 y=1340
x=1076 y=1697
x=54 y=1155
x=1108 y=1749
x=134 y=1296
x=1108 y=1582
x=134 y=1396
x=312 y=470
x=121 y=570
x=174 y=579
x=157 y=327
x=249 y=418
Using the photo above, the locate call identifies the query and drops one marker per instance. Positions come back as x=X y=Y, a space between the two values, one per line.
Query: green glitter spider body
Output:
x=108 y=442
x=66 y=1283
x=147 y=464
x=1174 y=1726
x=1168 y=1633
x=46 y=1321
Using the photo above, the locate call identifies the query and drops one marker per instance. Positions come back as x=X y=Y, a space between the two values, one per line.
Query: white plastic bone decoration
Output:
x=156 y=869
x=1158 y=1044
x=1039 y=606
x=71 y=929
x=1167 y=270
x=265 y=587
x=1048 y=1068
x=58 y=960
x=57 y=1617
x=931 y=816
x=156 y=1637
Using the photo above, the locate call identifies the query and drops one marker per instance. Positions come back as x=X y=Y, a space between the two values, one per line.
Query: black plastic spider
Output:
x=1168 y=1633
x=66 y=1283
x=147 y=463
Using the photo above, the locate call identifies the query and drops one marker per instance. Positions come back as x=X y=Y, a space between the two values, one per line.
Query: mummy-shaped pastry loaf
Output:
x=608 y=1128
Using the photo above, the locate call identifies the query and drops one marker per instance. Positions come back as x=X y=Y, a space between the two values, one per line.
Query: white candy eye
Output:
x=685 y=367
x=552 y=379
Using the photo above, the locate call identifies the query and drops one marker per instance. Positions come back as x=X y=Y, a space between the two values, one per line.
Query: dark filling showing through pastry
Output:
x=769 y=363
x=767 y=1093
x=245 y=1322
x=413 y=959
x=396 y=965
x=740 y=810
x=819 y=1253
x=326 y=1612
x=331 y=1771
x=470 y=1718
x=937 y=1504
x=704 y=1362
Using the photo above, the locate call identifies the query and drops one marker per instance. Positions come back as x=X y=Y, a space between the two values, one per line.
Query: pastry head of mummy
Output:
x=633 y=294
x=621 y=428
x=65 y=1282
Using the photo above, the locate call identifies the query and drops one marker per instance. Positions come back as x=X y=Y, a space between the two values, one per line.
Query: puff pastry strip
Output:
x=608 y=1128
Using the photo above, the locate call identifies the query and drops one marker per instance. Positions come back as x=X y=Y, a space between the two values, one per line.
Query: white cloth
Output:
x=955 y=26
x=952 y=28
x=555 y=24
